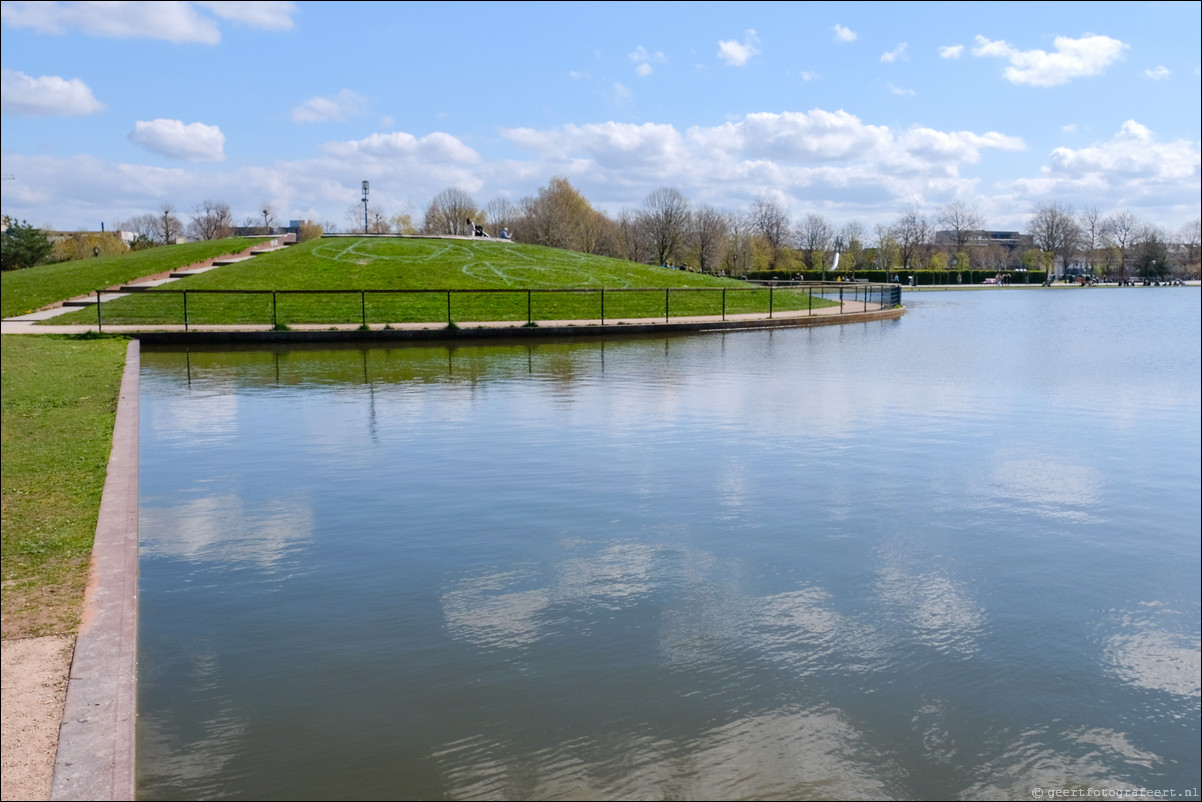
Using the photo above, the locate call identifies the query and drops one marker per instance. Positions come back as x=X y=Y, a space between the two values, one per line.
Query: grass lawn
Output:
x=59 y=402
x=26 y=290
x=338 y=265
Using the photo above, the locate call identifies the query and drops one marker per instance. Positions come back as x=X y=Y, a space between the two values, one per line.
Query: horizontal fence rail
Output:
x=279 y=308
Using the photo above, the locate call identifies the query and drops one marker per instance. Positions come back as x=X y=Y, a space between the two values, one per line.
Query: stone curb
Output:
x=95 y=758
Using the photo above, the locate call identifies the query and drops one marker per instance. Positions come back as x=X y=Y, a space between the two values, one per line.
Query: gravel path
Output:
x=34 y=680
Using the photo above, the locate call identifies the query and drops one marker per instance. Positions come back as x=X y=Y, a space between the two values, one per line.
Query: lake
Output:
x=954 y=555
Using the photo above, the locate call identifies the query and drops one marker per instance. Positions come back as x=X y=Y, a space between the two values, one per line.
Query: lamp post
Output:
x=365 y=187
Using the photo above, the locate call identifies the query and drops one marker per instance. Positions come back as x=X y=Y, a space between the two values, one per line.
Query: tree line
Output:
x=669 y=230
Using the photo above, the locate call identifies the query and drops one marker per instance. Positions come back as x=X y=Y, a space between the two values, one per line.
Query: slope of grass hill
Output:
x=26 y=290
x=403 y=264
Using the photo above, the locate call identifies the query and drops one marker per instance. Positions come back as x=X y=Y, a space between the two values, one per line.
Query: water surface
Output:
x=954 y=555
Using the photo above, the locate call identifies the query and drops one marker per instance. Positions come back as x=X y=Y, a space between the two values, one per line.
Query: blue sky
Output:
x=850 y=110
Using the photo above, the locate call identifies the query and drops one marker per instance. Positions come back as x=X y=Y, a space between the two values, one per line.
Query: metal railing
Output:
x=765 y=300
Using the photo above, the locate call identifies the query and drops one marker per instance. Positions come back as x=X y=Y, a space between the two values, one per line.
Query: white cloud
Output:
x=806 y=75
x=578 y=75
x=951 y=51
x=195 y=142
x=643 y=59
x=178 y=22
x=1158 y=73
x=843 y=34
x=735 y=53
x=1132 y=169
x=894 y=54
x=1133 y=151
x=760 y=152
x=831 y=159
x=47 y=96
x=1073 y=58
x=271 y=16
x=436 y=147
x=620 y=93
x=897 y=90
x=340 y=108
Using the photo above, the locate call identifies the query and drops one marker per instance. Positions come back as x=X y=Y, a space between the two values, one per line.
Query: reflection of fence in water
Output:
x=279 y=308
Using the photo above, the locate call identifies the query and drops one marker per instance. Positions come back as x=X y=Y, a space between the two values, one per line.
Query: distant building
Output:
x=61 y=236
x=1009 y=240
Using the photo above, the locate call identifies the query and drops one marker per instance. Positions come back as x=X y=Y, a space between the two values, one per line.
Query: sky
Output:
x=854 y=111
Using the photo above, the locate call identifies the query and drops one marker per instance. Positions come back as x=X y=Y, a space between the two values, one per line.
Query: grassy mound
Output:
x=326 y=276
x=26 y=290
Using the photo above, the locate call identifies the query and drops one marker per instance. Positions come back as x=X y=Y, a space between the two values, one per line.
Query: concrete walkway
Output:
x=96 y=741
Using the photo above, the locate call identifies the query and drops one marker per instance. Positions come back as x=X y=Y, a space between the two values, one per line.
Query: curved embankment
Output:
x=507 y=329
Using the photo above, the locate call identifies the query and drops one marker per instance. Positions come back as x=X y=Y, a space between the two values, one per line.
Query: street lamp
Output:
x=365 y=186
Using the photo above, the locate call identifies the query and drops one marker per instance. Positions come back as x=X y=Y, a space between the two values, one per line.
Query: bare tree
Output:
x=709 y=236
x=378 y=222
x=739 y=252
x=912 y=232
x=1190 y=236
x=449 y=212
x=666 y=213
x=1120 y=231
x=211 y=220
x=1151 y=253
x=1054 y=230
x=501 y=213
x=145 y=226
x=771 y=222
x=633 y=243
x=1090 y=223
x=814 y=235
x=169 y=227
x=963 y=221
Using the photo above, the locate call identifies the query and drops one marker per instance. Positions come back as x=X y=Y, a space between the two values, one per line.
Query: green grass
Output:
x=59 y=402
x=339 y=264
x=26 y=290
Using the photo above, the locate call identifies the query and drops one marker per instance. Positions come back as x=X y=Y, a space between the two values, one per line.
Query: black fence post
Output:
x=274 y=317
x=529 y=314
x=770 y=289
x=666 y=291
x=602 y=306
x=185 y=310
x=449 y=321
x=724 y=303
x=99 y=324
x=363 y=307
